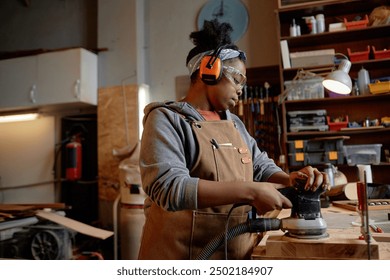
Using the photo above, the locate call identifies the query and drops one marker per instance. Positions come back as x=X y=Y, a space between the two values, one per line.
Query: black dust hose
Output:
x=255 y=225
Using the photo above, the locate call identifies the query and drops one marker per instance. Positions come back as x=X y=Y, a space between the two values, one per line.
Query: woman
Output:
x=198 y=160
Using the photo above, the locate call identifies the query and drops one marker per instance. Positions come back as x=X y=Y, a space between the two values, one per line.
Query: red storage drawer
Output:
x=356 y=24
x=381 y=54
x=358 y=56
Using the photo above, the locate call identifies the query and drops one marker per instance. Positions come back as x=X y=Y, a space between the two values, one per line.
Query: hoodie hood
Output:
x=183 y=108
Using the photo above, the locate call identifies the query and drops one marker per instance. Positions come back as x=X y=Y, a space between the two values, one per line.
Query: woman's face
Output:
x=224 y=95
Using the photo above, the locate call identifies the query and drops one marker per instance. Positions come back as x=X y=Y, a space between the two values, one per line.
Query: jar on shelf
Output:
x=320 y=23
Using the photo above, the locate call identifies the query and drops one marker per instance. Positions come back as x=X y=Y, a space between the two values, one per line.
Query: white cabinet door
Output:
x=18 y=82
x=67 y=76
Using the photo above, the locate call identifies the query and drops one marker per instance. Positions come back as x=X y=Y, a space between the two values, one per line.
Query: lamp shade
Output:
x=339 y=81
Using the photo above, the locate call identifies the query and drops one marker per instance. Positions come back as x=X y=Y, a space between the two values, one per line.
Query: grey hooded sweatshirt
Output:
x=169 y=151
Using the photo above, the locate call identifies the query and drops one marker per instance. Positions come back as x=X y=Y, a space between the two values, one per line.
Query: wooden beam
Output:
x=336 y=246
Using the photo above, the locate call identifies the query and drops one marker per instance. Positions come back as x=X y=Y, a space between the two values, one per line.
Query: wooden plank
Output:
x=381 y=237
x=15 y=208
x=353 y=204
x=336 y=246
x=21 y=207
x=75 y=225
x=13 y=211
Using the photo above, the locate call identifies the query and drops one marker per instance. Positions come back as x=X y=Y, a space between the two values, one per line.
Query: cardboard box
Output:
x=312 y=58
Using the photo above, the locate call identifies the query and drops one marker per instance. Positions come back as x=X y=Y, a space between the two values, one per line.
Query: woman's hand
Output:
x=267 y=198
x=310 y=178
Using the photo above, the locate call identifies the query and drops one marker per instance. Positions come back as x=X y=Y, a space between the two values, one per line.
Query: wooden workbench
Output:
x=343 y=241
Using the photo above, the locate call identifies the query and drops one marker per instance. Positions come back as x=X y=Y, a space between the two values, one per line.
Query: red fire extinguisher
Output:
x=73 y=159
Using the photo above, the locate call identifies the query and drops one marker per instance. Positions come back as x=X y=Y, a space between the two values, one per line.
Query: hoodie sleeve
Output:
x=167 y=149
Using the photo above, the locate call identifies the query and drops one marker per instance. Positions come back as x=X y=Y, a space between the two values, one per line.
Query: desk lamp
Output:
x=339 y=81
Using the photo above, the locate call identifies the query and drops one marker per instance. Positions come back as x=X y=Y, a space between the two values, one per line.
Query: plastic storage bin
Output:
x=333 y=157
x=380 y=54
x=308 y=120
x=379 y=87
x=356 y=24
x=317 y=145
x=363 y=154
x=358 y=56
x=317 y=158
x=337 y=125
x=304 y=89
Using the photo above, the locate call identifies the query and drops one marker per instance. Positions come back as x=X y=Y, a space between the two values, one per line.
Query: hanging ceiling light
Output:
x=339 y=81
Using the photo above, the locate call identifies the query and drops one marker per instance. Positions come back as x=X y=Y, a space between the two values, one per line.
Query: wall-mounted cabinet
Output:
x=18 y=81
x=357 y=108
x=59 y=78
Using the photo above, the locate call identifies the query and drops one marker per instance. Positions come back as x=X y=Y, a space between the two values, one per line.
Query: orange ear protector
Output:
x=210 y=69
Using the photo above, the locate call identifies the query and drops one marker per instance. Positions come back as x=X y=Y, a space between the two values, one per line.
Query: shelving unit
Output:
x=356 y=107
x=355 y=39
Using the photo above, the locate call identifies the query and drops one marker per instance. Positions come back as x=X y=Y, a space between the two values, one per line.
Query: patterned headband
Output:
x=225 y=54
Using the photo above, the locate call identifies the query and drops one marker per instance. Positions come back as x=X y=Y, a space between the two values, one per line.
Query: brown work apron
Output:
x=223 y=156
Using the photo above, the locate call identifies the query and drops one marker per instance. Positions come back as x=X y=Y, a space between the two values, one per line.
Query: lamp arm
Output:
x=341 y=54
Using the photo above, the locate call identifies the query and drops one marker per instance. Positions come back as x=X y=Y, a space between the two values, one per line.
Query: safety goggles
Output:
x=234 y=76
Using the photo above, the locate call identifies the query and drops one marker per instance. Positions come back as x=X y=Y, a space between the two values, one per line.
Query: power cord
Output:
x=227 y=227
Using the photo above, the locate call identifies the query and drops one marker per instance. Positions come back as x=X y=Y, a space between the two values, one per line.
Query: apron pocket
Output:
x=206 y=226
x=230 y=164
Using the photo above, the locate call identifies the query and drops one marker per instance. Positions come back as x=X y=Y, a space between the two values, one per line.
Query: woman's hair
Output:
x=213 y=35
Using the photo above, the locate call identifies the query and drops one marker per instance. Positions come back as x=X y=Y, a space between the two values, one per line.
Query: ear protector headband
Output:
x=210 y=69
